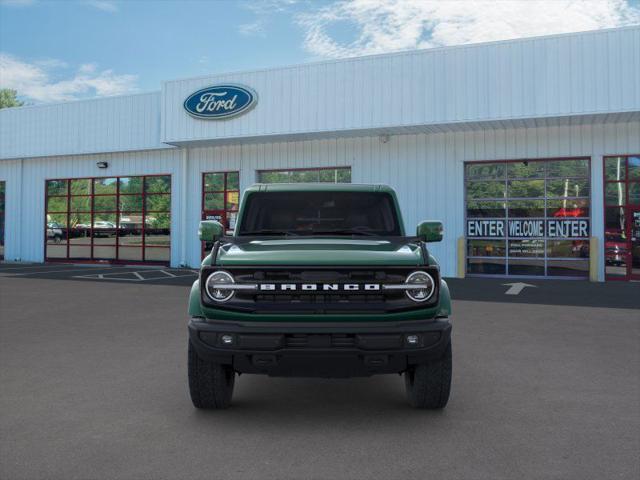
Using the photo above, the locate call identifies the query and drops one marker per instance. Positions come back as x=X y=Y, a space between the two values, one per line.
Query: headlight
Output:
x=215 y=286
x=426 y=283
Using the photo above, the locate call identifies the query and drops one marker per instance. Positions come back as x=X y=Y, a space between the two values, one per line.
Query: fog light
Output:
x=413 y=339
x=227 y=339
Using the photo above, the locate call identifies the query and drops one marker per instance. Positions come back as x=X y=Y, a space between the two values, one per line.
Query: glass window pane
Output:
x=568 y=188
x=273 y=177
x=105 y=185
x=56 y=250
x=568 y=168
x=131 y=203
x=214 y=201
x=104 y=221
x=80 y=204
x=81 y=186
x=102 y=237
x=57 y=204
x=157 y=237
x=526 y=267
x=568 y=268
x=525 y=188
x=131 y=184
x=104 y=252
x=526 y=208
x=482 y=189
x=130 y=221
x=158 y=203
x=80 y=252
x=213 y=182
x=158 y=221
x=133 y=254
x=485 y=209
x=526 y=248
x=634 y=193
x=58 y=219
x=567 y=208
x=614 y=222
x=485 y=171
x=160 y=184
x=130 y=237
x=486 y=266
x=344 y=175
x=157 y=254
x=328 y=176
x=614 y=194
x=633 y=168
x=526 y=169
x=232 y=200
x=56 y=233
x=105 y=203
x=615 y=168
x=568 y=248
x=233 y=181
x=304 y=176
x=56 y=187
x=486 y=248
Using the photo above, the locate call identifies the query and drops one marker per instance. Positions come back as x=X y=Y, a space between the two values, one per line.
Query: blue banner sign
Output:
x=220 y=102
x=528 y=228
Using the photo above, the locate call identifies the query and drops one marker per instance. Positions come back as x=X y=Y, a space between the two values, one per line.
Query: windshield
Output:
x=319 y=213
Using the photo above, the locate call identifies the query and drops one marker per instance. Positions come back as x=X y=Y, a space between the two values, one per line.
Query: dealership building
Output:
x=527 y=150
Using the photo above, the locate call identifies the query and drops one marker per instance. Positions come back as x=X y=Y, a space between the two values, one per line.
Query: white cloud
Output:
x=388 y=25
x=36 y=81
x=104 y=5
x=252 y=29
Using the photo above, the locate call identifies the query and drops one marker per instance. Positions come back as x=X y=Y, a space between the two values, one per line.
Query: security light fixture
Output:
x=102 y=164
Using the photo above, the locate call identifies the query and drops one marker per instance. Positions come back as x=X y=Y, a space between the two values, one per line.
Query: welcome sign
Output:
x=219 y=102
x=528 y=228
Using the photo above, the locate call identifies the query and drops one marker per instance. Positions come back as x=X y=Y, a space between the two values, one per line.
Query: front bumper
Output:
x=345 y=349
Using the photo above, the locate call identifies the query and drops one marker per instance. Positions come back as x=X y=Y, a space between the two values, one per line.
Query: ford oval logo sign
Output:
x=220 y=101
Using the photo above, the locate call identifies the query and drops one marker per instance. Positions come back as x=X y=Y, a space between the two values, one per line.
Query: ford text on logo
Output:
x=220 y=101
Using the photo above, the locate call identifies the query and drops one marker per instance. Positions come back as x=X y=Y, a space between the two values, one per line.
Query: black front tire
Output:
x=428 y=384
x=210 y=384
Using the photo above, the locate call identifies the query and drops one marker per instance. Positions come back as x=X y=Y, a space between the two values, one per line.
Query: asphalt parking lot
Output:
x=93 y=386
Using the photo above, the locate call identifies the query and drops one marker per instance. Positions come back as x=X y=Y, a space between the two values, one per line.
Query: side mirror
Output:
x=210 y=231
x=430 y=231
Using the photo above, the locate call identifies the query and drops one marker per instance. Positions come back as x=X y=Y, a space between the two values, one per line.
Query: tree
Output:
x=8 y=98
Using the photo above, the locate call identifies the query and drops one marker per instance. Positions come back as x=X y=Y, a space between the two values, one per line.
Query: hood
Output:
x=320 y=251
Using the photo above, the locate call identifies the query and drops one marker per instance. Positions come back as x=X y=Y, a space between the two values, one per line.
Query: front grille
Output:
x=320 y=301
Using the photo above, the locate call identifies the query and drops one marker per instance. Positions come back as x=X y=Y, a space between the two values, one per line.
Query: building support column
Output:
x=184 y=199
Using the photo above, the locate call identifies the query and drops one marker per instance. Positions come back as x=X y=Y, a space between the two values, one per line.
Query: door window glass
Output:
x=528 y=218
x=109 y=219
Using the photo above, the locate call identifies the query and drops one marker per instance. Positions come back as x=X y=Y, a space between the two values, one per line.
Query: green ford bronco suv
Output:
x=319 y=280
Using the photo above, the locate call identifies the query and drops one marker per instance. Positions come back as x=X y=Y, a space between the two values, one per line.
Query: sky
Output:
x=59 y=50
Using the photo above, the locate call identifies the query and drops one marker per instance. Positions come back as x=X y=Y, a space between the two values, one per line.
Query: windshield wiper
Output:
x=268 y=231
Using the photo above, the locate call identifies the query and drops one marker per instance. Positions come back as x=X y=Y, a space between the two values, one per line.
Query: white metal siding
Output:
x=25 y=201
x=547 y=77
x=90 y=126
x=425 y=169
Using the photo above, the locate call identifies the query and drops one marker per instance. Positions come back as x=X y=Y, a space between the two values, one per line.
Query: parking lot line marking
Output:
x=169 y=274
x=43 y=272
x=138 y=275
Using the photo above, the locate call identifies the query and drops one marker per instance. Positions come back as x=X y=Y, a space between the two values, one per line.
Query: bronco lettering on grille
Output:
x=314 y=287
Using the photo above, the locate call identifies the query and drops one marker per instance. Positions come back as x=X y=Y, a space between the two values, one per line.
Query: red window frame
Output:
x=117 y=212
x=227 y=206
x=628 y=210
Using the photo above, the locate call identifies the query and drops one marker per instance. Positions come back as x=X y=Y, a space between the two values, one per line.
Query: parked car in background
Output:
x=54 y=232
